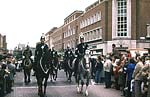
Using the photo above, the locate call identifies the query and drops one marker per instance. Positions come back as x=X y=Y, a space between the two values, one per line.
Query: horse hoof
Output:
x=86 y=93
x=78 y=90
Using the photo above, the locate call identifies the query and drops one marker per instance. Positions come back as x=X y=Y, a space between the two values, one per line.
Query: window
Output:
x=148 y=30
x=92 y=19
x=122 y=18
x=99 y=16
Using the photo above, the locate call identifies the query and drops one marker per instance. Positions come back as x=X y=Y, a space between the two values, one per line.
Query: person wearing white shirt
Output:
x=107 y=68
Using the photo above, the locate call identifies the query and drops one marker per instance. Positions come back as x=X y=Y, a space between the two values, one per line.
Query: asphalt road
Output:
x=60 y=88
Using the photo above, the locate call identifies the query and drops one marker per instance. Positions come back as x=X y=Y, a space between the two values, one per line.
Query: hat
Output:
x=42 y=37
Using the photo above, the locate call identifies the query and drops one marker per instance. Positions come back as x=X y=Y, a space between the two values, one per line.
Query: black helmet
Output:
x=27 y=46
x=81 y=36
x=42 y=37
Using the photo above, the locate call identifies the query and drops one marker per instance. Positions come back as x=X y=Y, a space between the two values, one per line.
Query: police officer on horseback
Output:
x=54 y=62
x=53 y=53
x=68 y=55
x=80 y=51
x=41 y=48
x=27 y=53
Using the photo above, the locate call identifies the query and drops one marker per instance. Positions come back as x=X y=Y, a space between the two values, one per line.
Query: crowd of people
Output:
x=123 y=72
x=7 y=72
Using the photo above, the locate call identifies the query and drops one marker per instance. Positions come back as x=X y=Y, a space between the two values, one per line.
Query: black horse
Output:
x=27 y=66
x=83 y=72
x=54 y=68
x=68 y=67
x=42 y=70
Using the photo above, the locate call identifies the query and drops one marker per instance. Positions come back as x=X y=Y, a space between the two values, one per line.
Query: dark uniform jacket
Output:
x=41 y=48
x=54 y=54
x=80 y=49
x=27 y=53
x=68 y=54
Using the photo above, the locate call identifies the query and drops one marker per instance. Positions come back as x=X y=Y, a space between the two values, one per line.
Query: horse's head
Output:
x=87 y=52
x=87 y=62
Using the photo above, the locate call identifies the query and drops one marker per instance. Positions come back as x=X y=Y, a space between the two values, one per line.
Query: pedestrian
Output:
x=129 y=71
x=99 y=68
x=11 y=69
x=137 y=77
x=107 y=68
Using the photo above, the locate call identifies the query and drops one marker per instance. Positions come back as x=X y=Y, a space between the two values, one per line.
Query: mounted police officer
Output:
x=41 y=48
x=54 y=62
x=80 y=51
x=27 y=53
x=53 y=53
x=68 y=55
x=68 y=52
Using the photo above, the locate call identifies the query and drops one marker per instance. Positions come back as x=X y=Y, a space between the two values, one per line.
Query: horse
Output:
x=42 y=73
x=27 y=65
x=68 y=67
x=83 y=72
x=54 y=69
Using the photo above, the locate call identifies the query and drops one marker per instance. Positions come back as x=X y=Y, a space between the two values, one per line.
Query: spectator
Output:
x=11 y=69
x=99 y=68
x=145 y=73
x=137 y=77
x=107 y=68
x=129 y=70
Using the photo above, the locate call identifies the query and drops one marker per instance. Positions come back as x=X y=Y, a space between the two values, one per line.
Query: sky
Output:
x=24 y=21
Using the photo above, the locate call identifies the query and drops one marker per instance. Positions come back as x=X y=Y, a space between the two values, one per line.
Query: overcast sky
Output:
x=24 y=21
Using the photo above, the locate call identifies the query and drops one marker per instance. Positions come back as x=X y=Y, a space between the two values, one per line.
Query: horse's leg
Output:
x=82 y=82
x=25 y=76
x=45 y=83
x=51 y=77
x=40 y=89
x=70 y=74
x=38 y=84
x=67 y=74
x=56 y=73
x=87 y=84
x=78 y=82
x=28 y=74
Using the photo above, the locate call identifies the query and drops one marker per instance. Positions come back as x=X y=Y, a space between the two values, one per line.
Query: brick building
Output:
x=125 y=23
